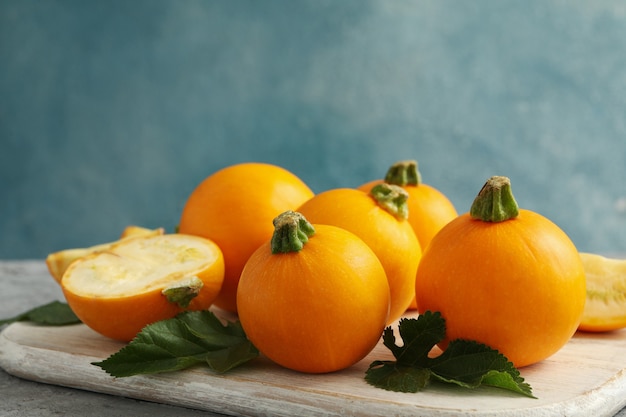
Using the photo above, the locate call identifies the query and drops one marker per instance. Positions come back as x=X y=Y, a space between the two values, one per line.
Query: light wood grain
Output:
x=586 y=377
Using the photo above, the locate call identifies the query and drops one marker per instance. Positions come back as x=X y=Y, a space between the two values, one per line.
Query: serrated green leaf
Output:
x=208 y=327
x=175 y=344
x=418 y=336
x=224 y=360
x=390 y=376
x=164 y=346
x=54 y=313
x=504 y=380
x=471 y=364
x=465 y=363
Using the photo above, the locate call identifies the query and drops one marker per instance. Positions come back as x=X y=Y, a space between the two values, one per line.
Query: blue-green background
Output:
x=112 y=112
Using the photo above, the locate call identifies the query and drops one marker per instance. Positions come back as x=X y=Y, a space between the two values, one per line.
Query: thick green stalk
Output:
x=404 y=173
x=495 y=201
x=291 y=232
x=392 y=198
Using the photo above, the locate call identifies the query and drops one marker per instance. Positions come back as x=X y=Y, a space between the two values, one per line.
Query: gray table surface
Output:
x=27 y=284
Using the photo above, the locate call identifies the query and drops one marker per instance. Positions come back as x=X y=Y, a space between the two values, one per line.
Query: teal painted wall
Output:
x=112 y=112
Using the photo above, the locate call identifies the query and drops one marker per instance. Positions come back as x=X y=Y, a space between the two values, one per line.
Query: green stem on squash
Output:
x=404 y=173
x=495 y=201
x=291 y=232
x=182 y=292
x=392 y=198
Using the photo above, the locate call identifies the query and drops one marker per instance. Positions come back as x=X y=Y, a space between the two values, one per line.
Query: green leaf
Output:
x=471 y=364
x=419 y=336
x=390 y=376
x=54 y=313
x=170 y=345
x=224 y=360
x=163 y=346
x=208 y=327
x=465 y=363
x=227 y=343
x=506 y=381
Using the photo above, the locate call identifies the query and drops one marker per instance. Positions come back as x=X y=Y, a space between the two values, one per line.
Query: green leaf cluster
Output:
x=192 y=337
x=54 y=313
x=465 y=363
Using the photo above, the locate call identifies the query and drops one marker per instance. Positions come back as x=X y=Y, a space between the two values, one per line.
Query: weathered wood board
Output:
x=586 y=377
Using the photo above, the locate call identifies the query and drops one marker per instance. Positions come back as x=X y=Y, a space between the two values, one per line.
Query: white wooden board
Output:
x=585 y=378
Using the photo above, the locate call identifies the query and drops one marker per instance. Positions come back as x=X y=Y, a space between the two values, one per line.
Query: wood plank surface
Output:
x=586 y=377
